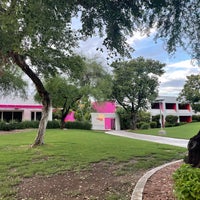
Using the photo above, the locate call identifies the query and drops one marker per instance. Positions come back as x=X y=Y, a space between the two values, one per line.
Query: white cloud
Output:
x=137 y=36
x=172 y=82
x=187 y=64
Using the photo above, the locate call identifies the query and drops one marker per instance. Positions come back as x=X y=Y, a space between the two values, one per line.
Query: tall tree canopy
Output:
x=191 y=92
x=135 y=84
x=38 y=38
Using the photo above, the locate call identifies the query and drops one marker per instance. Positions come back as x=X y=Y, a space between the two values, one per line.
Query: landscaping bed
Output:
x=102 y=180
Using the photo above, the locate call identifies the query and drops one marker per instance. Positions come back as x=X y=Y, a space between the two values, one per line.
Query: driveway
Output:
x=151 y=138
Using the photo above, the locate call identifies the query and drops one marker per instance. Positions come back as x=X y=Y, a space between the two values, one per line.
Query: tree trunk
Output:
x=44 y=119
x=133 y=121
x=66 y=109
x=46 y=101
x=62 y=123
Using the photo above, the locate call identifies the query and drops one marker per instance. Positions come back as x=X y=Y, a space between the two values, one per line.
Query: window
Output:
x=183 y=106
x=17 y=116
x=170 y=106
x=155 y=106
x=7 y=116
x=11 y=116
x=36 y=116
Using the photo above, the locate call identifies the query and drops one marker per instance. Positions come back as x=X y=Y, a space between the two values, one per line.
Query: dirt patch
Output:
x=100 y=181
x=160 y=185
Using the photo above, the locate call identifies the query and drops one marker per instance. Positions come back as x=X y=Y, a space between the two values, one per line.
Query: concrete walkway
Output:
x=151 y=138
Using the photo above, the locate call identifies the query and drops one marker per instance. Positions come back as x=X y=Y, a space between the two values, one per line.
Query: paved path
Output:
x=151 y=138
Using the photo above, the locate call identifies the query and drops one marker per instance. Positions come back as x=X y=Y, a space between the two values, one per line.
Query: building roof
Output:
x=18 y=101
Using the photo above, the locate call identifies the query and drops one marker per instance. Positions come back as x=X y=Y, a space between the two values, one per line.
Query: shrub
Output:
x=144 y=125
x=30 y=124
x=167 y=124
x=4 y=126
x=78 y=125
x=187 y=183
x=139 y=124
x=143 y=116
x=196 y=118
x=153 y=124
x=53 y=124
x=156 y=118
x=171 y=119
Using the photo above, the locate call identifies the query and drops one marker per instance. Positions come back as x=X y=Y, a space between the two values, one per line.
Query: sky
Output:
x=177 y=66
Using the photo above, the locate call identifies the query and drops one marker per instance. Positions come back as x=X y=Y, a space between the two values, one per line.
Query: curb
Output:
x=138 y=190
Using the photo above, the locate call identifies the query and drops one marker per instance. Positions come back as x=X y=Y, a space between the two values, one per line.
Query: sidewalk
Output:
x=151 y=138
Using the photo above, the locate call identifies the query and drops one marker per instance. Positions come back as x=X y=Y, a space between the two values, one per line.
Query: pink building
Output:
x=105 y=117
x=18 y=109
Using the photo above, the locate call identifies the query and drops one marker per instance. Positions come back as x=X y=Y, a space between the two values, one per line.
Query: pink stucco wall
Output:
x=70 y=117
x=104 y=107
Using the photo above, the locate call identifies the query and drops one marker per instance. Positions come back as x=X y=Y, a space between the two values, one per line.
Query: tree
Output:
x=191 y=92
x=73 y=92
x=96 y=80
x=135 y=84
x=37 y=36
x=64 y=95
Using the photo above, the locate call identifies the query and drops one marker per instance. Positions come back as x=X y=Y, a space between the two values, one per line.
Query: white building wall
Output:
x=165 y=112
x=98 y=120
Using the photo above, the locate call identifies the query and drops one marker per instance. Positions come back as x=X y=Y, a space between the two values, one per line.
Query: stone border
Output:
x=139 y=188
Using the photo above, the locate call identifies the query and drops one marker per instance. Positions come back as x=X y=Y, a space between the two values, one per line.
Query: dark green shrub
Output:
x=30 y=124
x=153 y=124
x=144 y=125
x=139 y=124
x=187 y=183
x=156 y=118
x=4 y=126
x=195 y=118
x=78 y=125
x=171 y=119
x=53 y=124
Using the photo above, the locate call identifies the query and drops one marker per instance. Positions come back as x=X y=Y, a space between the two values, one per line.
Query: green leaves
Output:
x=187 y=183
x=136 y=81
x=135 y=84
x=191 y=91
x=11 y=81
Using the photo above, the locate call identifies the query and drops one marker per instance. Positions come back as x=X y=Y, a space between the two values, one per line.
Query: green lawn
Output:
x=185 y=131
x=73 y=150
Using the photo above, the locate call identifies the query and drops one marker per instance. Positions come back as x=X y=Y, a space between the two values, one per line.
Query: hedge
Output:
x=78 y=125
x=4 y=126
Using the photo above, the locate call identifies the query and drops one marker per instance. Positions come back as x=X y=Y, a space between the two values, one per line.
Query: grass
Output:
x=73 y=150
x=185 y=131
